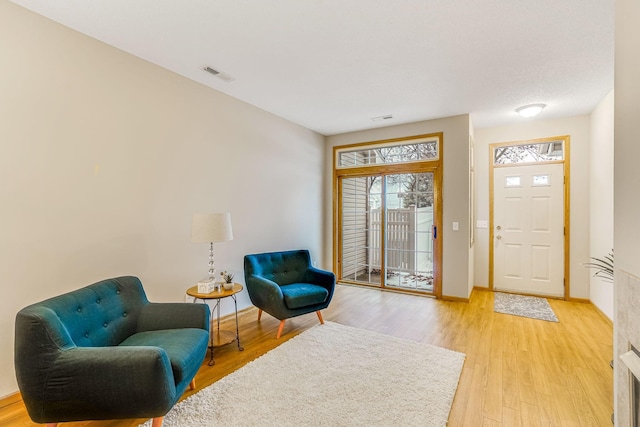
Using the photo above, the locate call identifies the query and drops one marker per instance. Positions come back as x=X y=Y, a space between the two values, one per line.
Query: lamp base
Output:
x=212 y=262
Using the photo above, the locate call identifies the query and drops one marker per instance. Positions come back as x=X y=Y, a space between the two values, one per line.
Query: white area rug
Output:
x=524 y=306
x=331 y=375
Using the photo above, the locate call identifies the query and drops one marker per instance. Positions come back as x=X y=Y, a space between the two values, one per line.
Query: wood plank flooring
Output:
x=518 y=371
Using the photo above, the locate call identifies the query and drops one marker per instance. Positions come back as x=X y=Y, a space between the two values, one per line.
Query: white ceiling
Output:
x=332 y=65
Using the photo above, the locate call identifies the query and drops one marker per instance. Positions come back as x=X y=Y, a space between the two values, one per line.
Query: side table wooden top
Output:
x=193 y=292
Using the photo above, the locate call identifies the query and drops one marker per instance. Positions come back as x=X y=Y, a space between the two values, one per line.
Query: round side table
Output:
x=219 y=337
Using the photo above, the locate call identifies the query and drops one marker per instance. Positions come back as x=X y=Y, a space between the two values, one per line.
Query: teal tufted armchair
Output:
x=105 y=352
x=285 y=285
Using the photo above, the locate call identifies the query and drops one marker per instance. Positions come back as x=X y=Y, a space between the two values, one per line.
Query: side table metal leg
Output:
x=235 y=301
x=211 y=332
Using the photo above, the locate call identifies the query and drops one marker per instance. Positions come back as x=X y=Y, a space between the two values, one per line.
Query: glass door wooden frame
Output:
x=433 y=166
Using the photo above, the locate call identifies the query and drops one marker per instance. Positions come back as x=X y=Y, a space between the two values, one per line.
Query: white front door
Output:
x=528 y=221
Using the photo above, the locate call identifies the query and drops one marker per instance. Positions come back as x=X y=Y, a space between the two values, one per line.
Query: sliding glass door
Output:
x=361 y=229
x=387 y=225
x=409 y=231
x=387 y=214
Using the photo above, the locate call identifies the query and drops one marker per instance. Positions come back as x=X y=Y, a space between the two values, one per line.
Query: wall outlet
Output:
x=456 y=226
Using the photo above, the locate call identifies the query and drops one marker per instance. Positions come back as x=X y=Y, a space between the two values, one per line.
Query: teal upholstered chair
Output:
x=285 y=285
x=105 y=352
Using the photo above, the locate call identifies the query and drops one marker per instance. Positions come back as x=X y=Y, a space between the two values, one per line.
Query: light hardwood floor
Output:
x=517 y=372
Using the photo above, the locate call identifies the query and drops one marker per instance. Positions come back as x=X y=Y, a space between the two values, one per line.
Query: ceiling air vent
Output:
x=219 y=74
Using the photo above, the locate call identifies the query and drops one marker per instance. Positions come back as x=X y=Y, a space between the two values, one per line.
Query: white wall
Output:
x=472 y=209
x=626 y=159
x=601 y=199
x=578 y=128
x=455 y=280
x=104 y=158
x=627 y=137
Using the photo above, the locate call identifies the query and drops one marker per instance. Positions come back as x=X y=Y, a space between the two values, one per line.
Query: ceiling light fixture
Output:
x=530 y=110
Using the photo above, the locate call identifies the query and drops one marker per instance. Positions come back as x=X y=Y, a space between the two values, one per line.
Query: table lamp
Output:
x=211 y=227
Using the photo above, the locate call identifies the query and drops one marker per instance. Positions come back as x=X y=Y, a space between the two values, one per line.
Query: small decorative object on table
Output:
x=206 y=286
x=227 y=280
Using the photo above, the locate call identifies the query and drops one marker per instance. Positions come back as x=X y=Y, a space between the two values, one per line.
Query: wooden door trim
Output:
x=567 y=203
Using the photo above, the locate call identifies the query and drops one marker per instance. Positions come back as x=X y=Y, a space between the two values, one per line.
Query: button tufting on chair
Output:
x=137 y=366
x=285 y=285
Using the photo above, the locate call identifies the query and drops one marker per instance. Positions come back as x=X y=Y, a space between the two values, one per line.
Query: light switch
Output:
x=456 y=226
x=482 y=223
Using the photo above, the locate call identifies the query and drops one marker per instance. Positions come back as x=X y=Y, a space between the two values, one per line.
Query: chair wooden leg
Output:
x=280 y=328
x=259 y=314
x=192 y=384
x=157 y=422
x=320 y=317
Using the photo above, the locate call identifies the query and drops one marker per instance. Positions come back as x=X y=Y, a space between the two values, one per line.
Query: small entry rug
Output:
x=331 y=375
x=524 y=306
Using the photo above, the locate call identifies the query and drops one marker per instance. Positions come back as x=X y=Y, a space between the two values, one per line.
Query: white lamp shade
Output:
x=211 y=227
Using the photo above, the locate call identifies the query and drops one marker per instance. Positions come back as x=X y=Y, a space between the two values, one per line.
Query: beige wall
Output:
x=455 y=280
x=601 y=199
x=578 y=128
x=104 y=158
x=626 y=160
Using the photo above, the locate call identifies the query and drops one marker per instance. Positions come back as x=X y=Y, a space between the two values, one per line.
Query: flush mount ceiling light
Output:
x=530 y=110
